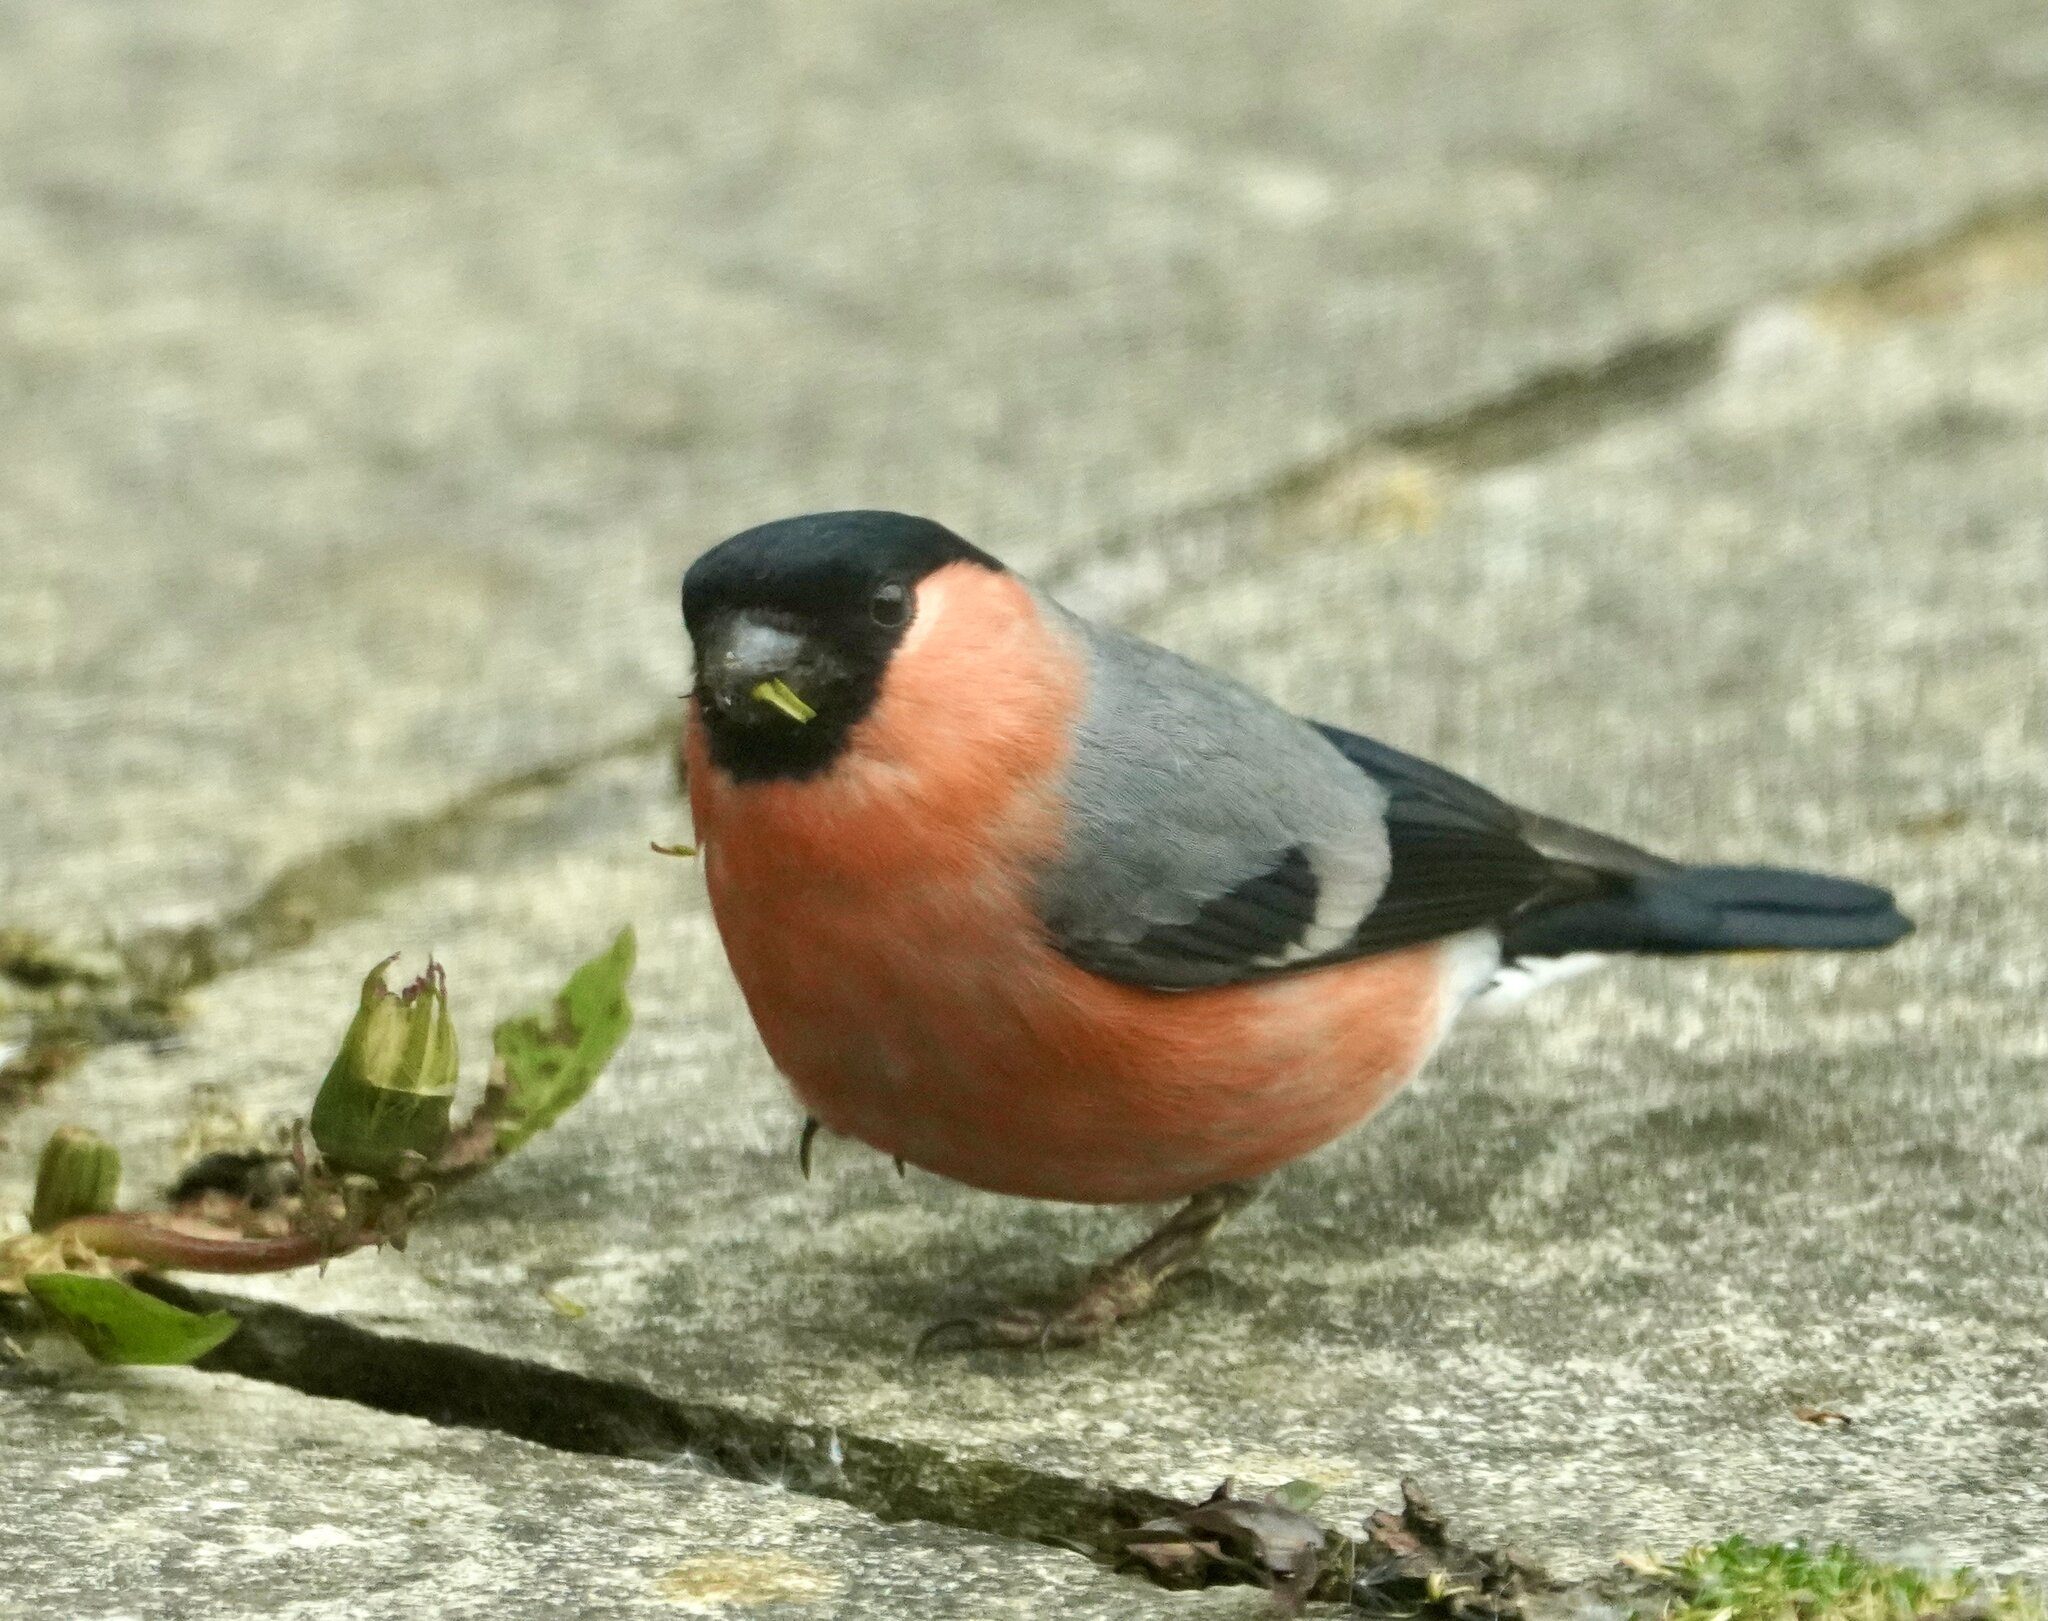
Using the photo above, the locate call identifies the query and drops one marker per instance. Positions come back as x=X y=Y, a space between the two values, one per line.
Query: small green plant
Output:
x=1740 y=1580
x=379 y=1145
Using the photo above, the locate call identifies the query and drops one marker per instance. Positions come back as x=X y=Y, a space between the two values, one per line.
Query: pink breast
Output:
x=949 y=1036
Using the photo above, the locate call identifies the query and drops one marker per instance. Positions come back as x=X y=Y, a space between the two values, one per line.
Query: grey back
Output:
x=1211 y=836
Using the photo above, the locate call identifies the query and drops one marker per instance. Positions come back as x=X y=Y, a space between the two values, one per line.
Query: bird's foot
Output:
x=1126 y=1287
x=1106 y=1300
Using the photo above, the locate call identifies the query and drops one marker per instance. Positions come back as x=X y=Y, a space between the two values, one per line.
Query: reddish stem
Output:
x=161 y=1241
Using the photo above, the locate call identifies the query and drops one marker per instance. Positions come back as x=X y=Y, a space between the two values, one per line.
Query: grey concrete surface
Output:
x=167 y=1496
x=366 y=371
x=367 y=375
x=1578 y=1280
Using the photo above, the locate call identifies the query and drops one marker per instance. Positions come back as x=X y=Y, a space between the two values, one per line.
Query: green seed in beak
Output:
x=776 y=691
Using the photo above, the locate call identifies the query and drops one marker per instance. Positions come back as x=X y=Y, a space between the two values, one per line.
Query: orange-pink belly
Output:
x=935 y=1024
x=879 y=919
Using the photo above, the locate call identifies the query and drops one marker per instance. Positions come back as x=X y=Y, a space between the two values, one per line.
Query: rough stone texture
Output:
x=1579 y=1280
x=169 y=1496
x=366 y=373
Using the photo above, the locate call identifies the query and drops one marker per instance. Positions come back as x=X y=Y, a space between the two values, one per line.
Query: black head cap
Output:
x=816 y=604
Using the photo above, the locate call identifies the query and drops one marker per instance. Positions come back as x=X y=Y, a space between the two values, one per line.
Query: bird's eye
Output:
x=890 y=605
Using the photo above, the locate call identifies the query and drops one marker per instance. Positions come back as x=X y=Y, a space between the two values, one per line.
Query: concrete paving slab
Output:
x=1580 y=1280
x=173 y=1496
x=364 y=372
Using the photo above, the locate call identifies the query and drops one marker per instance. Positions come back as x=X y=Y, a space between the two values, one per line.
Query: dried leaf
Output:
x=1176 y=1562
x=255 y=1178
x=1408 y=1564
x=1934 y=823
x=1261 y=1540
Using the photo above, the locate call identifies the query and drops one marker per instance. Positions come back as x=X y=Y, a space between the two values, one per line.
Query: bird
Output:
x=1049 y=910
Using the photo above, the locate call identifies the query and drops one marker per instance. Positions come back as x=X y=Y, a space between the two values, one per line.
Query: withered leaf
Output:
x=1257 y=1539
x=1173 y=1561
x=1408 y=1565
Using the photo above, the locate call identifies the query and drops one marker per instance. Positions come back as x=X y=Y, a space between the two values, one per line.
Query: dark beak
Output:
x=748 y=667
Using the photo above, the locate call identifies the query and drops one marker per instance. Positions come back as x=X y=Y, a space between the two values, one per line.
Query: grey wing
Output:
x=1211 y=836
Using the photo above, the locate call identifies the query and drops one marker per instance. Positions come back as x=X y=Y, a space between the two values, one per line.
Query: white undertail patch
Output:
x=1471 y=960
x=1513 y=983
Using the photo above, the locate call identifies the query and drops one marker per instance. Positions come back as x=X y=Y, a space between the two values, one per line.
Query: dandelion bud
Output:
x=388 y=1094
x=79 y=1175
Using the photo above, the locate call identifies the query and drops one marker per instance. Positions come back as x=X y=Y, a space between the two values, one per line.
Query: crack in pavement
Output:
x=893 y=1482
x=344 y=882
x=131 y=991
x=572 y=1412
x=2000 y=245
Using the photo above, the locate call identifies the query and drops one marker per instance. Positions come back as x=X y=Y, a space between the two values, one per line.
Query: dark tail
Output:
x=1678 y=911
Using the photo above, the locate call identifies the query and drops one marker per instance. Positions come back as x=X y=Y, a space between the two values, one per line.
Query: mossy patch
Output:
x=1740 y=1580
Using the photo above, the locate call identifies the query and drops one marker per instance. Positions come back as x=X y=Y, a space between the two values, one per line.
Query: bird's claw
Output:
x=1081 y=1321
x=950 y=1334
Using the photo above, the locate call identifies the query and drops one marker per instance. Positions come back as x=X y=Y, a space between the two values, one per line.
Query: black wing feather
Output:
x=1257 y=922
x=1460 y=856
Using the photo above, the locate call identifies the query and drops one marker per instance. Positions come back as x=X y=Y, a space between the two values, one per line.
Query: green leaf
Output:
x=117 y=1323
x=1298 y=1495
x=549 y=1060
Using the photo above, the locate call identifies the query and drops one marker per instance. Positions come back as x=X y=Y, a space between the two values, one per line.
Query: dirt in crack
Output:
x=1401 y=1562
x=455 y=1385
x=1367 y=481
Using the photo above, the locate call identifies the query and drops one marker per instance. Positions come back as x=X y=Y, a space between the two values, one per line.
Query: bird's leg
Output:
x=1124 y=1287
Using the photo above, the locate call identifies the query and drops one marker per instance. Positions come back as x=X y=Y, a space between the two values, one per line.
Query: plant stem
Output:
x=166 y=1242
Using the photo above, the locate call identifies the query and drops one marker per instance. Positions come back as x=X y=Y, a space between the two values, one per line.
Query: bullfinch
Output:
x=1044 y=908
